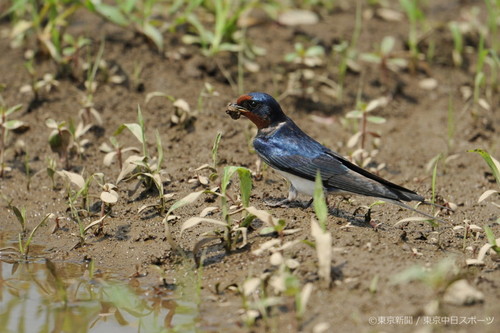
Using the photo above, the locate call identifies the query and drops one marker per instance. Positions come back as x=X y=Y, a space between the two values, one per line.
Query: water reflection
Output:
x=44 y=296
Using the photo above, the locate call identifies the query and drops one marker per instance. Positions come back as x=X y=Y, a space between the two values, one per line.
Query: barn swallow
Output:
x=298 y=157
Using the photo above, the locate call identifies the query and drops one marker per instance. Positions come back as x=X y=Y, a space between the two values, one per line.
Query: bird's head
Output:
x=262 y=109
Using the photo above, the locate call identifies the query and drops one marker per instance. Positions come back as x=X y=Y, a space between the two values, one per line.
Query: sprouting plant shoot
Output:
x=183 y=115
x=415 y=16
x=60 y=140
x=310 y=57
x=215 y=150
x=458 y=43
x=24 y=243
x=115 y=151
x=221 y=36
x=437 y=277
x=323 y=238
x=386 y=58
x=491 y=161
x=494 y=166
x=362 y=113
x=144 y=168
x=6 y=125
x=230 y=229
x=135 y=14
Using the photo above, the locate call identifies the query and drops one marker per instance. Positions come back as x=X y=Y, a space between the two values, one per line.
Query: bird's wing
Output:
x=339 y=174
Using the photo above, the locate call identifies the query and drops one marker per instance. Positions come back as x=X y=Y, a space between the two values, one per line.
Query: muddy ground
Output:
x=415 y=131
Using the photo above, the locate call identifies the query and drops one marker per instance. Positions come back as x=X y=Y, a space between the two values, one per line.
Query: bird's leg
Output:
x=285 y=203
x=308 y=204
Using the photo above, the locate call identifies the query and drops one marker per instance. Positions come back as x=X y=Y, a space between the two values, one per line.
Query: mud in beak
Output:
x=235 y=111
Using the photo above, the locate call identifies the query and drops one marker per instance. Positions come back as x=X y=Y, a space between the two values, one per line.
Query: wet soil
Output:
x=415 y=131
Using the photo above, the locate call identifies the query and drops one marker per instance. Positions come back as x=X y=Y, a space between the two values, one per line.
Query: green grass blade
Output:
x=491 y=161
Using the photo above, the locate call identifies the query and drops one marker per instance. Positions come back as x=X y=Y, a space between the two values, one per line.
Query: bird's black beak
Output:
x=235 y=110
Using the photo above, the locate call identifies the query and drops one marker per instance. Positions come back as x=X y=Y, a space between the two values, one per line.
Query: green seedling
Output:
x=256 y=301
x=493 y=246
x=415 y=16
x=300 y=80
x=458 y=43
x=283 y=283
x=108 y=197
x=215 y=160
x=136 y=14
x=479 y=78
x=115 y=151
x=88 y=111
x=47 y=83
x=368 y=214
x=187 y=200
x=494 y=243
x=202 y=180
x=438 y=278
x=78 y=188
x=73 y=47
x=143 y=168
x=274 y=225
x=374 y=284
x=81 y=192
x=215 y=151
x=207 y=91
x=493 y=163
x=60 y=140
x=36 y=85
x=20 y=214
x=435 y=162
x=309 y=57
x=24 y=248
x=51 y=170
x=137 y=129
x=46 y=21
x=136 y=77
x=78 y=142
x=24 y=244
x=182 y=115
x=342 y=52
x=212 y=42
x=493 y=10
x=386 y=58
x=230 y=229
x=6 y=125
x=468 y=231
x=494 y=166
x=65 y=139
x=346 y=54
x=245 y=179
x=362 y=113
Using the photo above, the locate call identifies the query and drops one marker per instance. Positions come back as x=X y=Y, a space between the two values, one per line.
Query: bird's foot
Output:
x=287 y=203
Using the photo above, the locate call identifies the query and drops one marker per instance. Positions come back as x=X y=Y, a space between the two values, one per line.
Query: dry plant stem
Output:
x=119 y=157
x=2 y=145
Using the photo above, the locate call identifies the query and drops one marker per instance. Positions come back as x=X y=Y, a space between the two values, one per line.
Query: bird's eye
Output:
x=252 y=104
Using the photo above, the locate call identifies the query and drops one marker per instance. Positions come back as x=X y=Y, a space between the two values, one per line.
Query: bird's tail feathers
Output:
x=400 y=204
x=435 y=205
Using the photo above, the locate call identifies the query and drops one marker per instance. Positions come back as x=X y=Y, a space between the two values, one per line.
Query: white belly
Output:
x=302 y=185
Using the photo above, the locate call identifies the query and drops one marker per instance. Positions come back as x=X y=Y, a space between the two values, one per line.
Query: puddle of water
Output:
x=43 y=296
